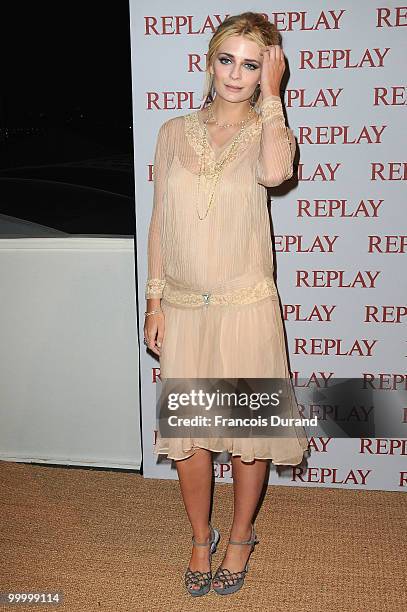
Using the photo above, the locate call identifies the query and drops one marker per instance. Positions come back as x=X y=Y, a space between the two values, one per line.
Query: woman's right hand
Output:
x=154 y=326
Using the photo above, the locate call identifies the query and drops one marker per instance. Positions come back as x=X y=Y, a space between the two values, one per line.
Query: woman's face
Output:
x=238 y=63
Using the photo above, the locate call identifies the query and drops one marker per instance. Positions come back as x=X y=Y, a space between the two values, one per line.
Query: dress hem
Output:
x=162 y=451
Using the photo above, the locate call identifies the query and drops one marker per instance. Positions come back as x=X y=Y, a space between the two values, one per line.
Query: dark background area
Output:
x=66 y=143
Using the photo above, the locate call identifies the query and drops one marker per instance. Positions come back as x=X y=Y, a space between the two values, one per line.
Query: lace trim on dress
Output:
x=270 y=107
x=154 y=288
x=196 y=137
x=246 y=295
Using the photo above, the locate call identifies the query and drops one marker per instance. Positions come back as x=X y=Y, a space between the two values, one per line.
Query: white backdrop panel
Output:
x=345 y=101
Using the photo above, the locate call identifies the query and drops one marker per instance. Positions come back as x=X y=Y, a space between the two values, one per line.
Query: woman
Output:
x=212 y=305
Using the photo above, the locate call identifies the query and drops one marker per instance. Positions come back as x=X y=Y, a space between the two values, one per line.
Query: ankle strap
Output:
x=253 y=539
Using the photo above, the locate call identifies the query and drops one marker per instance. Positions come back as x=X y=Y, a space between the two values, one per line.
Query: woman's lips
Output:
x=233 y=88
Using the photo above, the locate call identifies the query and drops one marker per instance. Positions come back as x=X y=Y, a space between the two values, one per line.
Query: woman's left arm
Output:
x=277 y=143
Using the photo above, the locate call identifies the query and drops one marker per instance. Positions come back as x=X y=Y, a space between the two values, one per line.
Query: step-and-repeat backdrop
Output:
x=339 y=234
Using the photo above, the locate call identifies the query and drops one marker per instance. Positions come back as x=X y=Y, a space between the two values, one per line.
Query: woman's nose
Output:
x=235 y=74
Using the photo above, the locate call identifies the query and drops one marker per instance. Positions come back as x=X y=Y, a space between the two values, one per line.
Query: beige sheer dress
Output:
x=236 y=329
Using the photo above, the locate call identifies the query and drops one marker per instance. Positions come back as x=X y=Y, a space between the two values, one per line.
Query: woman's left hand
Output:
x=272 y=70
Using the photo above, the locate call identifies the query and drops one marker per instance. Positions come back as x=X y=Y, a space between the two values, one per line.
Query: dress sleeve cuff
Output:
x=271 y=106
x=154 y=288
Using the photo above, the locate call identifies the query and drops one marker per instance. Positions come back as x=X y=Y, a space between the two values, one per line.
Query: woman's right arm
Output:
x=154 y=324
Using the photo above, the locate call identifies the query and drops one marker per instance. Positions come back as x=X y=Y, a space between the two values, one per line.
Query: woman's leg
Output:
x=248 y=482
x=195 y=477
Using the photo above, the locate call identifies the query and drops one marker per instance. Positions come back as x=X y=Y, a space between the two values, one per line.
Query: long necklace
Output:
x=218 y=167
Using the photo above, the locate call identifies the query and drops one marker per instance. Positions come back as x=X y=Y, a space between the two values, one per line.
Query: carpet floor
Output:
x=114 y=541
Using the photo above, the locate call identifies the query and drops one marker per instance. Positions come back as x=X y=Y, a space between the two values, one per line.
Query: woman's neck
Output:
x=230 y=112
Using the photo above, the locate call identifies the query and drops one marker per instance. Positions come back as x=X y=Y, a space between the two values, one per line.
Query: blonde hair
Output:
x=253 y=26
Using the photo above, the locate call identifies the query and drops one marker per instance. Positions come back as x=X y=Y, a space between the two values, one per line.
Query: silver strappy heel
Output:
x=233 y=581
x=202 y=579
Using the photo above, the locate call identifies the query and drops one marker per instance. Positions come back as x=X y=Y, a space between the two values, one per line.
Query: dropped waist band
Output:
x=245 y=295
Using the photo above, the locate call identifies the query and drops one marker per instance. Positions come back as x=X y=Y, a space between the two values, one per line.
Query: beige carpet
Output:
x=115 y=541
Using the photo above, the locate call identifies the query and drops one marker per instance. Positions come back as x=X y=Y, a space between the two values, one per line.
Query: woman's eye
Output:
x=227 y=59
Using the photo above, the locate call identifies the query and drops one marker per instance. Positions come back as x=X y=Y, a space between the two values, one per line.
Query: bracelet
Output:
x=152 y=311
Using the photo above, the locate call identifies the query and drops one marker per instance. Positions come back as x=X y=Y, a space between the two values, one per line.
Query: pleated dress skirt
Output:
x=229 y=341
